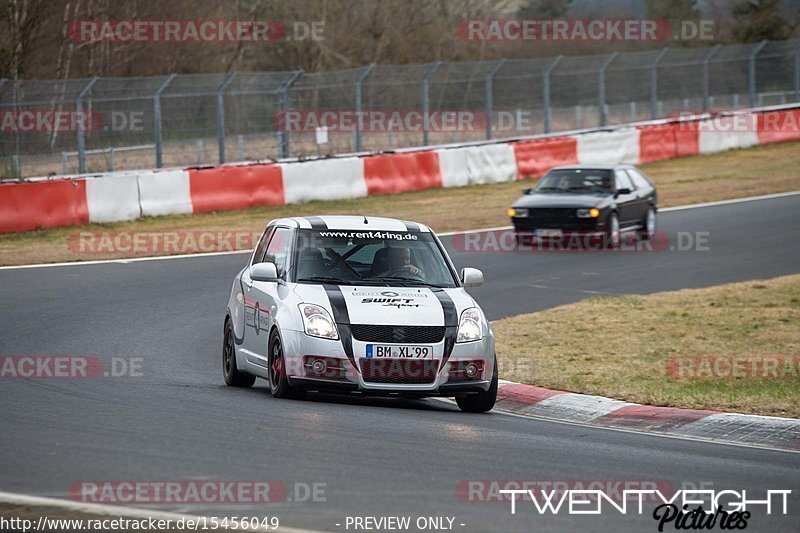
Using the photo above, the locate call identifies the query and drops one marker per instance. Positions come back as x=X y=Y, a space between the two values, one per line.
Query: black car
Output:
x=589 y=200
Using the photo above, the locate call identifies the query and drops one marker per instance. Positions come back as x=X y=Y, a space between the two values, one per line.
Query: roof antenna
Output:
x=365 y=219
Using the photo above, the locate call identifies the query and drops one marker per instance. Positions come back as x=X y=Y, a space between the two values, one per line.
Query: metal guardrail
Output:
x=204 y=118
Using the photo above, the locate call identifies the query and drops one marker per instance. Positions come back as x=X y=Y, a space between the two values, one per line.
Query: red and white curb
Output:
x=731 y=428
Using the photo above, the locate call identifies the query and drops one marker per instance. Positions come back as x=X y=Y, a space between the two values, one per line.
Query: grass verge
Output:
x=676 y=348
x=759 y=170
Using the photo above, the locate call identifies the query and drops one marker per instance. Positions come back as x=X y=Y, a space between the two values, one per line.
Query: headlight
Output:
x=588 y=213
x=515 y=212
x=317 y=322
x=470 y=327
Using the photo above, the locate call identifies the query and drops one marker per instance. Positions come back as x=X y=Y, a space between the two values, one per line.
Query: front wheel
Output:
x=230 y=372
x=613 y=236
x=481 y=402
x=276 y=363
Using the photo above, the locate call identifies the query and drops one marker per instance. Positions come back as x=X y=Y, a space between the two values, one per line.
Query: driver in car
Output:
x=399 y=259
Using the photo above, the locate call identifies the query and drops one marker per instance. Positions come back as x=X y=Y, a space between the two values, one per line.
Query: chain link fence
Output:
x=102 y=124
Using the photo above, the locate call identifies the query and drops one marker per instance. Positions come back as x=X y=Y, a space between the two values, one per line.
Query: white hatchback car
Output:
x=362 y=304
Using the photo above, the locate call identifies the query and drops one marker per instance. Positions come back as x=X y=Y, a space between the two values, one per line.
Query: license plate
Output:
x=549 y=233
x=393 y=351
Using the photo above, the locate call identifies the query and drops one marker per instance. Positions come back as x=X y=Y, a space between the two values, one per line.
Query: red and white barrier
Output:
x=609 y=147
x=324 y=179
x=45 y=203
x=473 y=165
x=164 y=193
x=113 y=198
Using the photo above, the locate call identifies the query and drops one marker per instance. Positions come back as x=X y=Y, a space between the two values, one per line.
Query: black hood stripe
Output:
x=317 y=223
x=450 y=322
x=342 y=319
x=412 y=227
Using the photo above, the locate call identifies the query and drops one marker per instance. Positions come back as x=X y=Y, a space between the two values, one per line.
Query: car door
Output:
x=263 y=297
x=627 y=205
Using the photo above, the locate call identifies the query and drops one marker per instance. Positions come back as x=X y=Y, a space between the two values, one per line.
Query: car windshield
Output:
x=575 y=181
x=395 y=258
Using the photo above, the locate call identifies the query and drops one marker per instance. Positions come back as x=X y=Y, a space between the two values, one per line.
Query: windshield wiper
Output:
x=327 y=279
x=399 y=278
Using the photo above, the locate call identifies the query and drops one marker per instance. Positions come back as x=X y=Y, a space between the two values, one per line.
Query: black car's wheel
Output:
x=481 y=402
x=648 y=230
x=230 y=372
x=276 y=369
x=613 y=236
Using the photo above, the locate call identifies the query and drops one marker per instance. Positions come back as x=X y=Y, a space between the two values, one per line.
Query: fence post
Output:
x=284 y=105
x=81 y=121
x=601 y=88
x=221 y=115
x=654 y=83
x=157 y=118
x=752 y=71
x=548 y=112
x=426 y=103
x=797 y=73
x=706 y=81
x=364 y=73
x=488 y=97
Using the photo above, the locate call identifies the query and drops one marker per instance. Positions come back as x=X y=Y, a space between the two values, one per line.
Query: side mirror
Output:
x=527 y=190
x=623 y=190
x=264 y=272
x=471 y=277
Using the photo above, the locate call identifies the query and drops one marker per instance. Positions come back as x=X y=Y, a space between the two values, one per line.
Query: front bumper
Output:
x=298 y=345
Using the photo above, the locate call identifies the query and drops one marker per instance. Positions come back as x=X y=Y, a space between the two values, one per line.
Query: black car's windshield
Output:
x=371 y=257
x=575 y=181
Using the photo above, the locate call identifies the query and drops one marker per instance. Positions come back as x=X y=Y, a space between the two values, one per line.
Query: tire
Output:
x=613 y=236
x=648 y=230
x=276 y=369
x=481 y=402
x=233 y=378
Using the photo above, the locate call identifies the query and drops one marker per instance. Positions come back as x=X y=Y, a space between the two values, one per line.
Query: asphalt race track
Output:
x=376 y=457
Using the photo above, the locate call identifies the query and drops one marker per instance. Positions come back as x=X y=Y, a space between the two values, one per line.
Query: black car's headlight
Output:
x=588 y=213
x=516 y=212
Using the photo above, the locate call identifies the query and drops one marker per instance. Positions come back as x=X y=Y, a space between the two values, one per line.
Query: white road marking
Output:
x=445 y=234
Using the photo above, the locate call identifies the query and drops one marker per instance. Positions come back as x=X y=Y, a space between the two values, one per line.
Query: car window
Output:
x=575 y=181
x=623 y=181
x=258 y=256
x=278 y=249
x=639 y=179
x=368 y=256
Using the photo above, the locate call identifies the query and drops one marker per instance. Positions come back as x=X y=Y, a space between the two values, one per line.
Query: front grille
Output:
x=565 y=218
x=553 y=215
x=400 y=371
x=397 y=334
